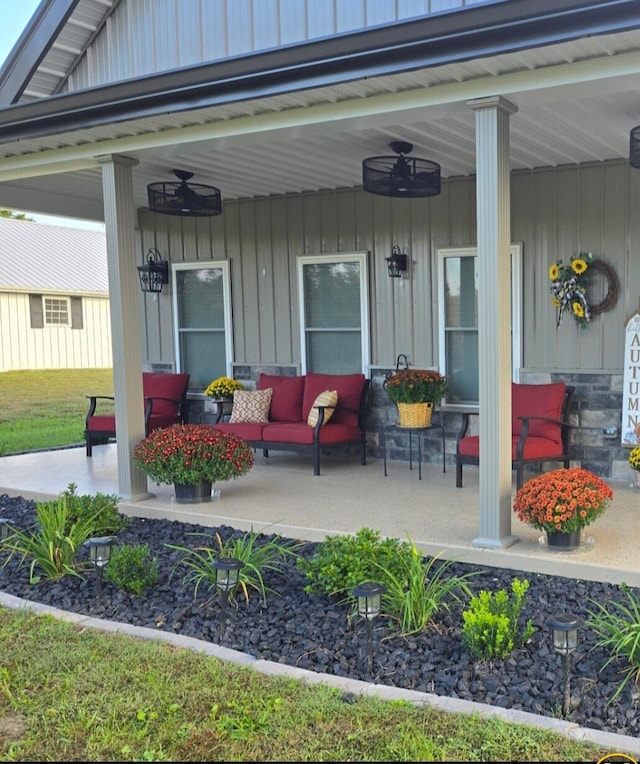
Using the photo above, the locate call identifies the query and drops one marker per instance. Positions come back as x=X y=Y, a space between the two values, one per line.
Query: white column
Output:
x=494 y=319
x=119 y=216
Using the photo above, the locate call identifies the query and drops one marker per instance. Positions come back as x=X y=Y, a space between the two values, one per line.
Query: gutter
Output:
x=473 y=32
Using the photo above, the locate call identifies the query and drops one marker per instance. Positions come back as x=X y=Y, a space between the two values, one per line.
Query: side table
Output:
x=420 y=431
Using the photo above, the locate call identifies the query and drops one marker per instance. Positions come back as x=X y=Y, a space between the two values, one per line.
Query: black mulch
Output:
x=315 y=632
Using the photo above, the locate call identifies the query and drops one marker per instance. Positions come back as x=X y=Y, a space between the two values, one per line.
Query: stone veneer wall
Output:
x=597 y=405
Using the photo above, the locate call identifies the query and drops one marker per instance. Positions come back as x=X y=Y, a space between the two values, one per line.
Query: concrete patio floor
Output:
x=281 y=494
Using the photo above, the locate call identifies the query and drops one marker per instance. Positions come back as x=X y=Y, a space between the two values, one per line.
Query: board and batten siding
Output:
x=555 y=212
x=149 y=36
x=54 y=347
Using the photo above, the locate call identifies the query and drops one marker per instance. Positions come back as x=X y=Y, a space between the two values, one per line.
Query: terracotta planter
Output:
x=193 y=494
x=414 y=414
x=563 y=542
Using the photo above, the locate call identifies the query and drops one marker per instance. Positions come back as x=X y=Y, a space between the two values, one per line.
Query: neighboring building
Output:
x=526 y=106
x=54 y=298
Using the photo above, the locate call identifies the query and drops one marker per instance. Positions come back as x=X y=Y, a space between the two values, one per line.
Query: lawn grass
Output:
x=73 y=694
x=45 y=409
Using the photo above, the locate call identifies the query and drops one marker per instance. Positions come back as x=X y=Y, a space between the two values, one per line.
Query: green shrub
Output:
x=53 y=547
x=342 y=562
x=257 y=558
x=419 y=589
x=102 y=508
x=132 y=568
x=491 y=623
x=618 y=630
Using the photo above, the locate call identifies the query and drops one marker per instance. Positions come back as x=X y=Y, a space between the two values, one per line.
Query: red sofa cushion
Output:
x=301 y=433
x=102 y=423
x=160 y=385
x=535 y=448
x=349 y=388
x=286 y=400
x=537 y=400
x=244 y=430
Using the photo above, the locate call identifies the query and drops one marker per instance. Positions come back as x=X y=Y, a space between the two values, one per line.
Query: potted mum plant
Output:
x=221 y=390
x=634 y=463
x=562 y=502
x=415 y=392
x=192 y=457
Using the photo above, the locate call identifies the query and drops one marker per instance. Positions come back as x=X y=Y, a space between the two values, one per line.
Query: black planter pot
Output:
x=563 y=541
x=193 y=494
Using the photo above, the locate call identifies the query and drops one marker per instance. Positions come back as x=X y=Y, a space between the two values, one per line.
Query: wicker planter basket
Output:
x=414 y=414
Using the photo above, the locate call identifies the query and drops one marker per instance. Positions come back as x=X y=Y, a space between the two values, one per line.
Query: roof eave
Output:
x=480 y=31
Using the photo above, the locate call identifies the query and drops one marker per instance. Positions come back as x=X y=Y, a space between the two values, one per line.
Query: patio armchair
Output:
x=539 y=429
x=165 y=397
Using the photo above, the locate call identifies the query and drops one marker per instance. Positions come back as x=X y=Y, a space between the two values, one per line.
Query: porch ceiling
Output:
x=576 y=103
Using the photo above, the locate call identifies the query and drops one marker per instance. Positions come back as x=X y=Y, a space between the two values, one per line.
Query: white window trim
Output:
x=222 y=265
x=516 y=306
x=362 y=258
x=57 y=325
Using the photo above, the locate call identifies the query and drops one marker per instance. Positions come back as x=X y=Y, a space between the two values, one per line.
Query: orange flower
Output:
x=563 y=500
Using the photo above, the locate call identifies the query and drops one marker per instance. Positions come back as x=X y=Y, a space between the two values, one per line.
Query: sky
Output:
x=15 y=15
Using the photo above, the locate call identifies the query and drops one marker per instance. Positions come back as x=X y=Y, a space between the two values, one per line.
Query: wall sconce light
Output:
x=396 y=262
x=227 y=578
x=564 y=629
x=154 y=273
x=634 y=147
x=369 y=604
x=100 y=554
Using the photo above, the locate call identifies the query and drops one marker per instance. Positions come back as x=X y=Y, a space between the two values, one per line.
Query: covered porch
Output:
x=281 y=495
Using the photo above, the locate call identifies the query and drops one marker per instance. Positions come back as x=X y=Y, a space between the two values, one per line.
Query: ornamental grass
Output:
x=189 y=454
x=563 y=500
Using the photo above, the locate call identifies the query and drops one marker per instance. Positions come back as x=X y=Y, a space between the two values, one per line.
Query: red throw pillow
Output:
x=537 y=400
x=286 y=400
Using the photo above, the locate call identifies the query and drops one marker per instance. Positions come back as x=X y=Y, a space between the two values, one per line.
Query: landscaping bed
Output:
x=315 y=632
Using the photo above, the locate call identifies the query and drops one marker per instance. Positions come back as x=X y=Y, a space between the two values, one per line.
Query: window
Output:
x=334 y=320
x=202 y=310
x=458 y=319
x=56 y=311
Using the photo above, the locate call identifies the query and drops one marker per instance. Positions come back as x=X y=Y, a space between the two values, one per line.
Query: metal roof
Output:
x=577 y=100
x=52 y=258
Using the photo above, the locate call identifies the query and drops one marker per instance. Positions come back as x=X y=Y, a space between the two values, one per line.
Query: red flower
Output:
x=191 y=453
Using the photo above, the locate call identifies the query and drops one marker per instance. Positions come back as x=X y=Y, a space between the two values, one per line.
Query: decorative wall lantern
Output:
x=564 y=628
x=401 y=176
x=396 y=262
x=154 y=273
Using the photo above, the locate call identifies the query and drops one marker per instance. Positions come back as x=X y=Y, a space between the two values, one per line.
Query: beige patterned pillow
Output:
x=327 y=398
x=251 y=406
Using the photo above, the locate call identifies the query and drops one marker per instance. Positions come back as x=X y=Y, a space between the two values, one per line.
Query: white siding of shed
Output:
x=53 y=347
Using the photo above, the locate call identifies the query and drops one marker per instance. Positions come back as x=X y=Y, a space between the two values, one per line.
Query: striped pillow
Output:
x=327 y=398
x=251 y=406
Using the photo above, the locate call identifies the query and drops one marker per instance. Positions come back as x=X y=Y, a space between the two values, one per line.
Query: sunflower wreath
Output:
x=569 y=288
